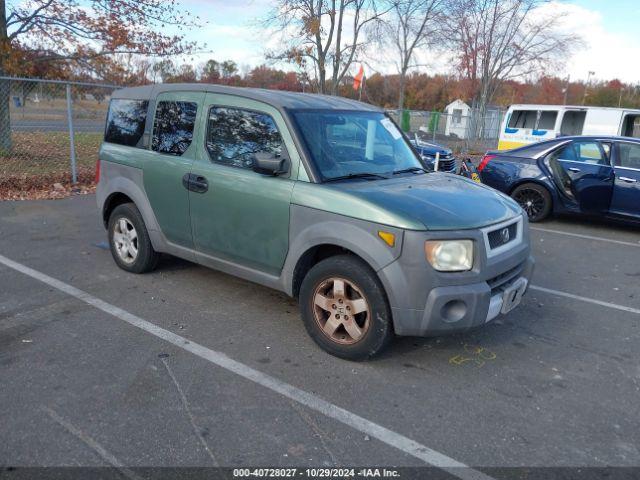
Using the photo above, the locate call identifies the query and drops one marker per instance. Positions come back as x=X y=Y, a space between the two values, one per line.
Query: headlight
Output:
x=449 y=255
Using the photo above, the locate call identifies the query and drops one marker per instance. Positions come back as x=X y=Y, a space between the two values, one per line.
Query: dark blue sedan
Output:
x=598 y=175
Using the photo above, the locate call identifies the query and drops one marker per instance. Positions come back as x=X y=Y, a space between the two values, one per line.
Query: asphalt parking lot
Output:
x=554 y=383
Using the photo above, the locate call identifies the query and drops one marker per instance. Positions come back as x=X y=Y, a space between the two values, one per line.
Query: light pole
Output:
x=584 y=97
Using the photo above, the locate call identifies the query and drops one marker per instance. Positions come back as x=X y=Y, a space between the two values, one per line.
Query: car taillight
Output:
x=98 y=170
x=483 y=163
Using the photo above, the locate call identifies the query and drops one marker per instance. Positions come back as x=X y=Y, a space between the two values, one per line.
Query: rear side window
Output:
x=628 y=155
x=234 y=135
x=590 y=152
x=547 y=120
x=173 y=127
x=125 y=121
x=523 y=119
x=584 y=152
x=566 y=153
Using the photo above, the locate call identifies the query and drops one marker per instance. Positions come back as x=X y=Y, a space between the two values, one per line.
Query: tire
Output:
x=534 y=199
x=343 y=292
x=125 y=223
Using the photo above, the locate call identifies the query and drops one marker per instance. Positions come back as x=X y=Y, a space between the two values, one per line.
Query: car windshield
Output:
x=355 y=144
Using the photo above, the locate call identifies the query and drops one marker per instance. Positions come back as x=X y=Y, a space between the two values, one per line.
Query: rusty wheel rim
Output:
x=341 y=311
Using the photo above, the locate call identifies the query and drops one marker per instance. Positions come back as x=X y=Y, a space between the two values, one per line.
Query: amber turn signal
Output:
x=387 y=237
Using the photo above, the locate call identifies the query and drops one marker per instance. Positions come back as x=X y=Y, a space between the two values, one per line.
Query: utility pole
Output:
x=620 y=96
x=566 y=90
x=584 y=97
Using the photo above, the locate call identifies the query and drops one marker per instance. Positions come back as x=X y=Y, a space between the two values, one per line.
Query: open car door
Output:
x=582 y=171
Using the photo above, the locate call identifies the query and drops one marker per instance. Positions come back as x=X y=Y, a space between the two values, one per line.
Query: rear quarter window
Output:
x=547 y=120
x=125 y=122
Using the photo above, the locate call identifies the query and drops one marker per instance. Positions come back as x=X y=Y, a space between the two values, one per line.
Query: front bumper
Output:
x=457 y=308
x=425 y=302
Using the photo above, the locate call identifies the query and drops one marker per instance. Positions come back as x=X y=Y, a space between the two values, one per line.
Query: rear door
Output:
x=175 y=124
x=583 y=172
x=626 y=190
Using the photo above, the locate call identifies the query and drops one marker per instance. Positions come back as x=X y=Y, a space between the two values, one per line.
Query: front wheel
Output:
x=344 y=308
x=534 y=199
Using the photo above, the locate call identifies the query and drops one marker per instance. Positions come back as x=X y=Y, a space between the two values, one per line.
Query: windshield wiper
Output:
x=356 y=175
x=410 y=170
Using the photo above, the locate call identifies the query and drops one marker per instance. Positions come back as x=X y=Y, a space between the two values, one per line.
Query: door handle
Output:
x=195 y=183
x=574 y=169
x=627 y=179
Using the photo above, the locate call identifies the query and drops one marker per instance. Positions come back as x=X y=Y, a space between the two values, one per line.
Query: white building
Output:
x=461 y=123
x=458 y=114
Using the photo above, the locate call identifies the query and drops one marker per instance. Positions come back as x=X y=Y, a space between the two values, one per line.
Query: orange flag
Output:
x=357 y=80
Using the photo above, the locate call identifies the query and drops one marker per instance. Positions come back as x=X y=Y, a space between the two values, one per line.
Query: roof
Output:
x=533 y=150
x=535 y=106
x=591 y=137
x=457 y=101
x=276 y=98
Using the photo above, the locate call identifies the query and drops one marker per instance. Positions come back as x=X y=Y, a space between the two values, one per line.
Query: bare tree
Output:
x=328 y=36
x=410 y=26
x=499 y=40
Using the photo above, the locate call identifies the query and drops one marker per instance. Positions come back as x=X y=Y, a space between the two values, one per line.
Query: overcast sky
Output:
x=610 y=29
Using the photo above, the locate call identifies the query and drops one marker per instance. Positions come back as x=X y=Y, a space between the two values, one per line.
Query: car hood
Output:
x=426 y=148
x=439 y=201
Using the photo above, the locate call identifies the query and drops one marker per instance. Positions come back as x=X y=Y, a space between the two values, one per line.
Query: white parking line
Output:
x=394 y=439
x=586 y=237
x=585 y=299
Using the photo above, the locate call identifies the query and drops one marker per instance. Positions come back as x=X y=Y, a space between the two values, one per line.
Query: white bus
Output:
x=525 y=124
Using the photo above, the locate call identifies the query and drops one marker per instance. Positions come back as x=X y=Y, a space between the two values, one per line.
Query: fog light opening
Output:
x=453 y=311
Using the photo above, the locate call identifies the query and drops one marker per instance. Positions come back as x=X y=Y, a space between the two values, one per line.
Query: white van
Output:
x=525 y=124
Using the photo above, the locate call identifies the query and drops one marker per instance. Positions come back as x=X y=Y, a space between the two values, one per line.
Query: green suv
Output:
x=321 y=197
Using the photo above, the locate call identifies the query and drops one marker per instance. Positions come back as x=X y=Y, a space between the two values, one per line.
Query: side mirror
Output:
x=269 y=163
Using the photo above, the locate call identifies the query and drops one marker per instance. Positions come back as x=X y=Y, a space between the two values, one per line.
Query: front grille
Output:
x=501 y=280
x=447 y=165
x=503 y=235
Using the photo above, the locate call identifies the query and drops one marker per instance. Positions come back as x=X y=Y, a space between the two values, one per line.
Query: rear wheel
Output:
x=129 y=240
x=344 y=308
x=534 y=199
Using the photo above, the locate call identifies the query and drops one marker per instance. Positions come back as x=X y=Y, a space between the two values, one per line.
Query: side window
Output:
x=547 y=120
x=523 y=119
x=631 y=126
x=125 y=121
x=234 y=135
x=173 y=127
x=628 y=155
x=590 y=152
x=572 y=122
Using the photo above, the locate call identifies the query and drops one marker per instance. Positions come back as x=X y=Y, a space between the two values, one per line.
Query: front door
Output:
x=626 y=190
x=583 y=172
x=240 y=215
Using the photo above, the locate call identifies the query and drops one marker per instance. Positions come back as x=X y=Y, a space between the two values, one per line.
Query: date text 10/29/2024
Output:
x=315 y=473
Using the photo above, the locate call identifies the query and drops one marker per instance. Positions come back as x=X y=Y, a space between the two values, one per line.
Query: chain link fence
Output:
x=471 y=134
x=50 y=133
